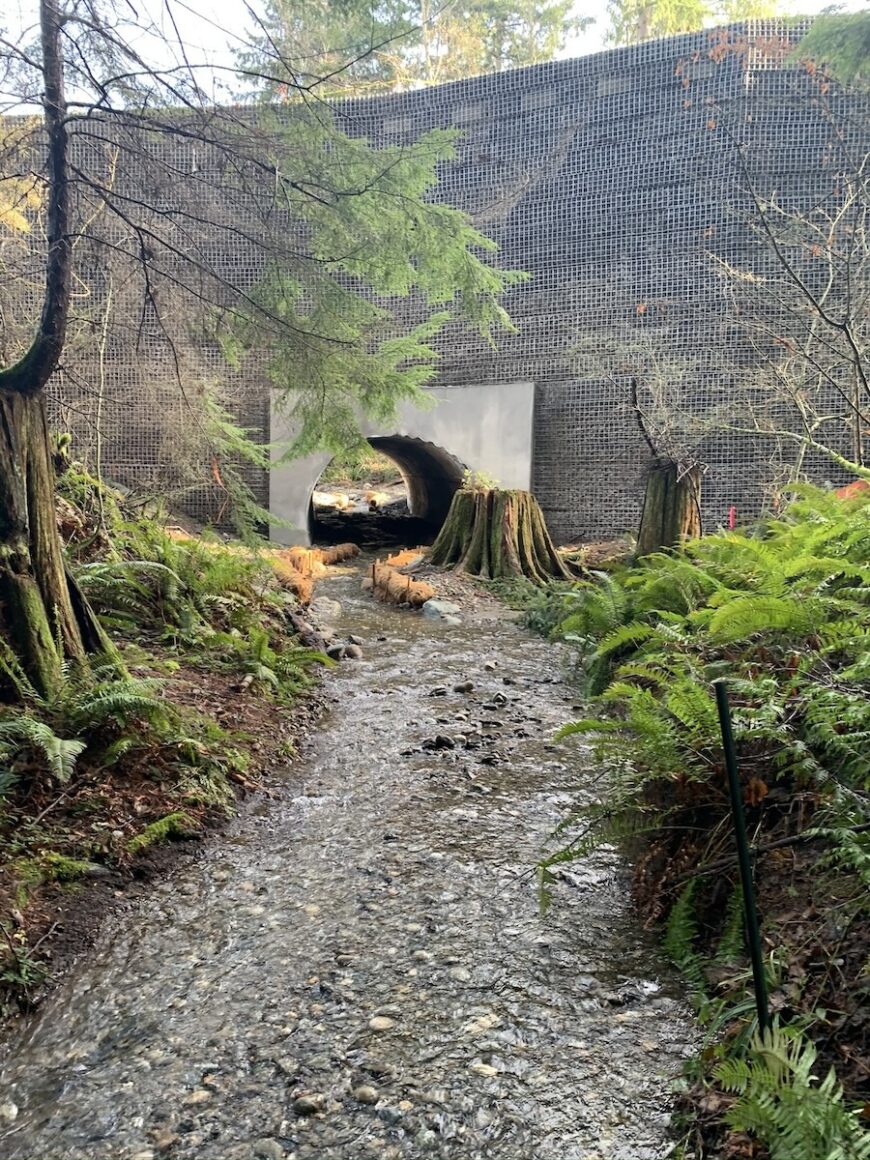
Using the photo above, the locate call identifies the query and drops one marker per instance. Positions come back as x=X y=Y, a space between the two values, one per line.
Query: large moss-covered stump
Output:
x=671 y=507
x=498 y=535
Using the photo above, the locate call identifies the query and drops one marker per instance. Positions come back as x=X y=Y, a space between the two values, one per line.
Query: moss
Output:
x=47 y=866
x=175 y=825
x=61 y=868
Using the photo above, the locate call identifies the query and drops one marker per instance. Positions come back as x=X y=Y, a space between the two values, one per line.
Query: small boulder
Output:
x=353 y=652
x=440 y=741
x=309 y=1104
x=438 y=609
x=366 y=1094
x=269 y=1149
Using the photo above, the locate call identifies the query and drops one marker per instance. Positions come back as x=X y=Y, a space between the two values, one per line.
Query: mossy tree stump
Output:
x=498 y=534
x=671 y=507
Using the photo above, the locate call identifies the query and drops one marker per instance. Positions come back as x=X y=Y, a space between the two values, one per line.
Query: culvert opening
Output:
x=398 y=496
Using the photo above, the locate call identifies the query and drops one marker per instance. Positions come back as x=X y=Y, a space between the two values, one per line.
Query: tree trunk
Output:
x=498 y=534
x=43 y=614
x=671 y=507
x=44 y=618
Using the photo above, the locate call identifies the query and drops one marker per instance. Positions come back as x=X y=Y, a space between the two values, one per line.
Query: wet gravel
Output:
x=359 y=968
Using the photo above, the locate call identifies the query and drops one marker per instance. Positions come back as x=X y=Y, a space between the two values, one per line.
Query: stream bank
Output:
x=359 y=967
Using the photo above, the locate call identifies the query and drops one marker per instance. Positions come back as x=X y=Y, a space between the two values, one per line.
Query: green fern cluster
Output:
x=97 y=710
x=281 y=668
x=220 y=608
x=780 y=1101
x=782 y=612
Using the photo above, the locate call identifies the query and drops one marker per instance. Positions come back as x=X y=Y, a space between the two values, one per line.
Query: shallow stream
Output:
x=359 y=967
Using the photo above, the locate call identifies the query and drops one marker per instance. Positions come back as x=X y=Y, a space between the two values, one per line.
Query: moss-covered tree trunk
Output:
x=671 y=507
x=498 y=534
x=44 y=619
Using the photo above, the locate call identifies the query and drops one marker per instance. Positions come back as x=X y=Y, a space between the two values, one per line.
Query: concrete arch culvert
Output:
x=481 y=428
x=431 y=476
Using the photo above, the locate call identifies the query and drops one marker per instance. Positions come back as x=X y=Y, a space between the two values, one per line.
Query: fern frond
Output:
x=750 y=616
x=22 y=733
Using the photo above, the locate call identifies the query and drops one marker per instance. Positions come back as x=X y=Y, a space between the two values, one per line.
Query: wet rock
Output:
x=482 y=1024
x=287 y=1065
x=354 y=639
x=8 y=1112
x=268 y=1149
x=391 y=1115
x=366 y=1094
x=439 y=741
x=165 y=1139
x=500 y=699
x=464 y=687
x=336 y=651
x=490 y=666
x=381 y=1023
x=309 y=1103
x=353 y=652
x=198 y=1096
x=452 y=621
x=438 y=609
x=438 y=691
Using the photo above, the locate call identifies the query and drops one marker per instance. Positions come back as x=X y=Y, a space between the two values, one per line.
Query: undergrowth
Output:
x=116 y=760
x=360 y=465
x=782 y=613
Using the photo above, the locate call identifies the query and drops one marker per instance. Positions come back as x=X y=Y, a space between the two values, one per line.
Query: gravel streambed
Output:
x=359 y=968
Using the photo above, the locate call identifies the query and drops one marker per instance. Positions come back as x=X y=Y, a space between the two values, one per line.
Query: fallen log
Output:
x=295 y=568
x=390 y=584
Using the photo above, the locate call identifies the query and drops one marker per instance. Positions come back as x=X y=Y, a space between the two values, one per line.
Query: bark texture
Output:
x=498 y=534
x=43 y=613
x=671 y=507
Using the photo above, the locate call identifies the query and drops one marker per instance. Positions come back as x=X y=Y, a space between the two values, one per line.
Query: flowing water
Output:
x=359 y=968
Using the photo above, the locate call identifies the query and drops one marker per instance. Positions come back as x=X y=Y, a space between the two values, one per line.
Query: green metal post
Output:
x=749 y=908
